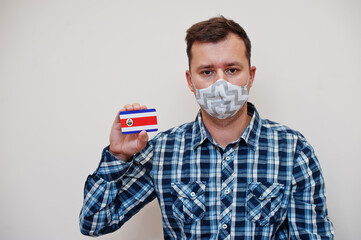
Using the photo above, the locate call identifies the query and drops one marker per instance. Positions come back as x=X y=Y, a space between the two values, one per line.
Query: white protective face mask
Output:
x=222 y=99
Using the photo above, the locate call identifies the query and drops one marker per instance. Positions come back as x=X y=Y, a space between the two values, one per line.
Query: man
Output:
x=227 y=175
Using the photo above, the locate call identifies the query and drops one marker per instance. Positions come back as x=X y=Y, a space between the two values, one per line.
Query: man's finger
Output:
x=143 y=139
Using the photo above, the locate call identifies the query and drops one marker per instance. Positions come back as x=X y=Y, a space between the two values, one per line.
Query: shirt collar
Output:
x=252 y=132
x=250 y=135
x=200 y=133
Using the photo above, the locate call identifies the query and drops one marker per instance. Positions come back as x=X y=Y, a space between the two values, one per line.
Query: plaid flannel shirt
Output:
x=266 y=185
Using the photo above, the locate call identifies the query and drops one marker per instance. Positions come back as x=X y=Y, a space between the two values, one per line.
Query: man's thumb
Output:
x=142 y=139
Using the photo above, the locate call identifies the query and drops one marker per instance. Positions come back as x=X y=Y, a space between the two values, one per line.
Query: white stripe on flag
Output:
x=137 y=115
x=132 y=129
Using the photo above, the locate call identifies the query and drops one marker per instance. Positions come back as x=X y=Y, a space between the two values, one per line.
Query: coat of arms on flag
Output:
x=136 y=121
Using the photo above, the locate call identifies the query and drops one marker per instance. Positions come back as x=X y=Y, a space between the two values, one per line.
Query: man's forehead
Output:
x=229 y=51
x=229 y=37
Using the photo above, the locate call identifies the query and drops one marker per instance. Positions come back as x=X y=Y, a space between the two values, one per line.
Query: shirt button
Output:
x=227 y=191
x=193 y=194
x=224 y=226
x=228 y=158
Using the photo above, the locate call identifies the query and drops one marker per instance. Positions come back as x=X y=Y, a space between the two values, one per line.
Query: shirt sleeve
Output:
x=115 y=192
x=307 y=213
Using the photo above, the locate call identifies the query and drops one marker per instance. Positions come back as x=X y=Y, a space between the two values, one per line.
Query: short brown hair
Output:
x=214 y=30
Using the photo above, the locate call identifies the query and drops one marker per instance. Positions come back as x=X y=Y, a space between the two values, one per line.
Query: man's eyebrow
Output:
x=205 y=66
x=234 y=64
x=208 y=66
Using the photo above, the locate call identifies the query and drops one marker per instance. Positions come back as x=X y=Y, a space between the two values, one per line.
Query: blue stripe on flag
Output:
x=138 y=131
x=138 y=111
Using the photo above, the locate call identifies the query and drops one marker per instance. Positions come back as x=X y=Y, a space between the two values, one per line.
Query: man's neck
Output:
x=225 y=131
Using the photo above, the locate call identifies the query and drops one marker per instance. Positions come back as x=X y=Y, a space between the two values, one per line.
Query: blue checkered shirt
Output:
x=266 y=185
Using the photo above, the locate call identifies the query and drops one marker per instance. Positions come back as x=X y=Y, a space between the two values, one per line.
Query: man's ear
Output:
x=189 y=81
x=251 y=77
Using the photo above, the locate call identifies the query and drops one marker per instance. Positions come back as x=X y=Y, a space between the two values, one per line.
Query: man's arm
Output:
x=121 y=185
x=307 y=213
x=114 y=193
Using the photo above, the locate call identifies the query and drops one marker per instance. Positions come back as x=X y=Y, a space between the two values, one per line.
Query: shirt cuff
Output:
x=110 y=167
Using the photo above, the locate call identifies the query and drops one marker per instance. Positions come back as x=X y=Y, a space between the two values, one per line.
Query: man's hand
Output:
x=124 y=146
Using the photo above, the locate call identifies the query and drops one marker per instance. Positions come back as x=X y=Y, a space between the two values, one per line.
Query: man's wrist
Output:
x=110 y=168
x=120 y=156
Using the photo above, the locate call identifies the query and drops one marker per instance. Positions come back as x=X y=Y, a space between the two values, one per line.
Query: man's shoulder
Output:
x=268 y=129
x=281 y=129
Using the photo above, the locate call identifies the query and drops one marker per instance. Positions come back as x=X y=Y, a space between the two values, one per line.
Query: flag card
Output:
x=136 y=121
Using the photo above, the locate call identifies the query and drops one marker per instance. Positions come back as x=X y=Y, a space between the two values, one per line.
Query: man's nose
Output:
x=221 y=75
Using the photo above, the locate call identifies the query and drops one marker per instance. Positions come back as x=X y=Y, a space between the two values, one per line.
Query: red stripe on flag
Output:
x=141 y=121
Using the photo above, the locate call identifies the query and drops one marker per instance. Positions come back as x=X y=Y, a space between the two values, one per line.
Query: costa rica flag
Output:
x=136 y=121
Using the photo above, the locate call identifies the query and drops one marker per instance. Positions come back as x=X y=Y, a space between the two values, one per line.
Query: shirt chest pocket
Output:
x=188 y=200
x=264 y=202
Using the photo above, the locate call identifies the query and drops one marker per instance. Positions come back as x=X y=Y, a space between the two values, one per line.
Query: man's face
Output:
x=225 y=59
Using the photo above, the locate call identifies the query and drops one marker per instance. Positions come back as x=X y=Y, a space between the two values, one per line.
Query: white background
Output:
x=66 y=67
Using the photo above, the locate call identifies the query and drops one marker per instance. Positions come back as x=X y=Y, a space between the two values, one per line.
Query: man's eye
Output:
x=232 y=70
x=207 y=73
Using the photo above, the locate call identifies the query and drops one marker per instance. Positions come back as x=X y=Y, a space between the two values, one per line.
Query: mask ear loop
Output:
x=249 y=78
